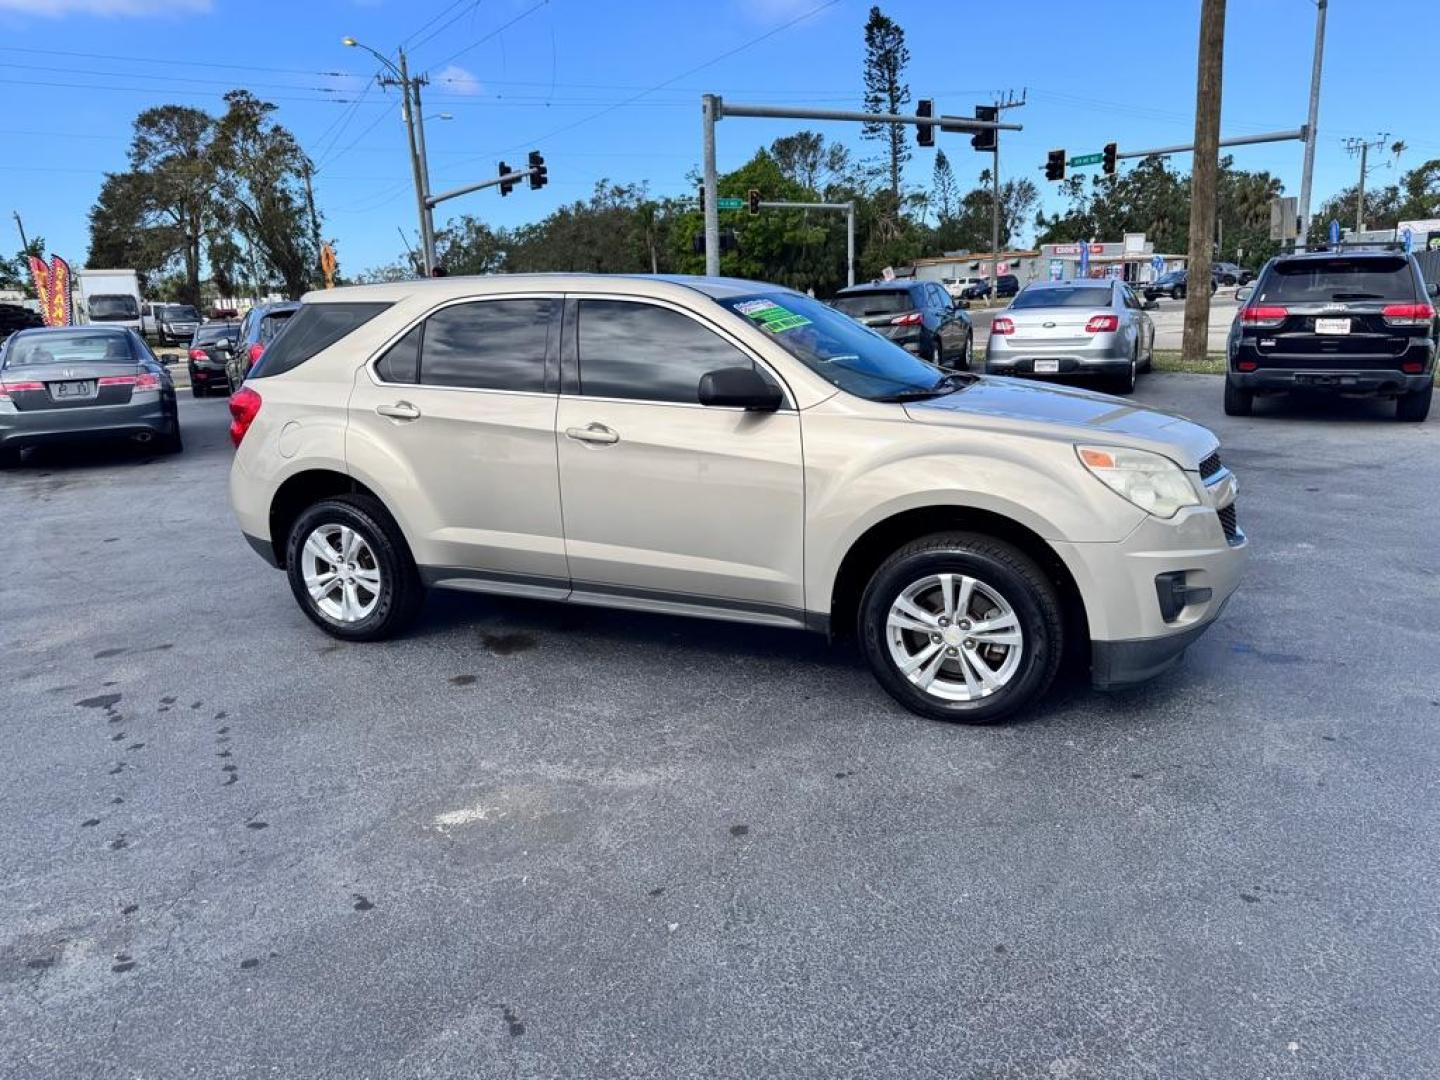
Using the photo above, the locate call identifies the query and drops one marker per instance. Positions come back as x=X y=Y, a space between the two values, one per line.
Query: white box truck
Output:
x=108 y=296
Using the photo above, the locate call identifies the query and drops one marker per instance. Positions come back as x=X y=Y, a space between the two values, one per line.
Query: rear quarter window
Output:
x=312 y=329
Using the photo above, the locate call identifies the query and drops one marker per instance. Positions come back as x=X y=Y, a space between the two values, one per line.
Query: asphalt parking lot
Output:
x=540 y=842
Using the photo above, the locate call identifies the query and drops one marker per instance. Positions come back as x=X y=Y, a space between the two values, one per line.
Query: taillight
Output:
x=1407 y=314
x=1246 y=365
x=1002 y=325
x=255 y=351
x=1412 y=367
x=6 y=389
x=144 y=381
x=1103 y=324
x=914 y=318
x=1264 y=316
x=199 y=354
x=244 y=407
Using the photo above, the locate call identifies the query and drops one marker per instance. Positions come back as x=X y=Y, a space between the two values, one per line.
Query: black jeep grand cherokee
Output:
x=1358 y=322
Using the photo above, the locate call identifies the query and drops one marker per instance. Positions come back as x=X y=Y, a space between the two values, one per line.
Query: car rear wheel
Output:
x=351 y=571
x=1238 y=402
x=969 y=357
x=1125 y=384
x=962 y=627
x=1414 y=406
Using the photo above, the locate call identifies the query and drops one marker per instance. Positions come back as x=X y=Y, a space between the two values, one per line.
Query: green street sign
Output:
x=726 y=202
x=1086 y=159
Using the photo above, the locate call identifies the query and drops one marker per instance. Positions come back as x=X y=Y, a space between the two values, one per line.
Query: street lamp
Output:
x=415 y=131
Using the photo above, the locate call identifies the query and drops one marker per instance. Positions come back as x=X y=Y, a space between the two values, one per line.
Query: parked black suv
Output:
x=1005 y=285
x=1355 y=323
x=919 y=316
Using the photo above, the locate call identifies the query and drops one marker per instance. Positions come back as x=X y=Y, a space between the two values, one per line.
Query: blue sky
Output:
x=570 y=77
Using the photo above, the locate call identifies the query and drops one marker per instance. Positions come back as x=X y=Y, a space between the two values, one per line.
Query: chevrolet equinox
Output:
x=731 y=450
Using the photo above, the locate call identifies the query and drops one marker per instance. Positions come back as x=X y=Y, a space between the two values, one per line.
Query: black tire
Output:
x=1414 y=406
x=999 y=567
x=968 y=356
x=172 y=443
x=1125 y=384
x=1177 y=292
x=196 y=390
x=401 y=591
x=9 y=457
x=1238 y=402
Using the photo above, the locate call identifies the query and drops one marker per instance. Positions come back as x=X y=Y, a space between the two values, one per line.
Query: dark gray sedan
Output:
x=75 y=383
x=1091 y=327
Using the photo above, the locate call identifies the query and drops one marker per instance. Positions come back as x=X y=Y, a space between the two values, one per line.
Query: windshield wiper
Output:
x=1356 y=296
x=947 y=384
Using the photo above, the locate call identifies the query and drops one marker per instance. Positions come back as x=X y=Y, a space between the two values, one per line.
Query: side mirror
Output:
x=1433 y=288
x=1241 y=295
x=740 y=388
x=223 y=343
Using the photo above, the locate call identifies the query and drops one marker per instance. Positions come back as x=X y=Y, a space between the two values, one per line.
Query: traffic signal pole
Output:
x=713 y=109
x=507 y=178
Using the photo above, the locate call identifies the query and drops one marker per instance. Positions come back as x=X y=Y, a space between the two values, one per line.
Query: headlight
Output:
x=1152 y=482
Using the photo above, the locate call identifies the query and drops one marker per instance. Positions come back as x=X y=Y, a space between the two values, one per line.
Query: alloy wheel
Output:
x=341 y=573
x=954 y=637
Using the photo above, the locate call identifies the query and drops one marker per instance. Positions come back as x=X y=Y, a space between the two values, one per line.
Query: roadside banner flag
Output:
x=52 y=286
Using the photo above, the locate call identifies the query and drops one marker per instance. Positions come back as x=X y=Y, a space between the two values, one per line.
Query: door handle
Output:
x=594 y=433
x=401 y=410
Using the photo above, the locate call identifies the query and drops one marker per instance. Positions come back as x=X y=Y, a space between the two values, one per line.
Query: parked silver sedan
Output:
x=1086 y=327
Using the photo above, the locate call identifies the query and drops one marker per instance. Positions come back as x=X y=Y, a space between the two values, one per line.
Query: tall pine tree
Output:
x=886 y=90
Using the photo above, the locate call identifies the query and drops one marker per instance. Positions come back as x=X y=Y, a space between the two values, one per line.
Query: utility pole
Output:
x=24 y=244
x=428 y=233
x=310 y=203
x=1010 y=102
x=709 y=108
x=1204 y=177
x=1363 y=148
x=1302 y=221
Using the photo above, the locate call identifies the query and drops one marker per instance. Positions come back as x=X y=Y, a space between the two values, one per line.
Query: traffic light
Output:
x=925 y=133
x=505 y=185
x=539 y=174
x=1055 y=165
x=1110 y=155
x=986 y=139
x=753 y=201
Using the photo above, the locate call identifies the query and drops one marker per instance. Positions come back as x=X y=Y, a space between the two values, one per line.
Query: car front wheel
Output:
x=962 y=627
x=351 y=571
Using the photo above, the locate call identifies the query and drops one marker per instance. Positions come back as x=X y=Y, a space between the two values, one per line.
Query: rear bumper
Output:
x=1099 y=354
x=1358 y=381
x=100 y=422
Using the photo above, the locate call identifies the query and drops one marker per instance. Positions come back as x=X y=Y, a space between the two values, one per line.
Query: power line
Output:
x=499 y=29
x=447 y=23
x=431 y=21
x=168 y=62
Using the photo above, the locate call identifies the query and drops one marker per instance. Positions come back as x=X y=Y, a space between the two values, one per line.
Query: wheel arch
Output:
x=876 y=544
x=304 y=489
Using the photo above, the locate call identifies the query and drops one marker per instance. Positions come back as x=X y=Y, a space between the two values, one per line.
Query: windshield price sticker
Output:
x=771 y=316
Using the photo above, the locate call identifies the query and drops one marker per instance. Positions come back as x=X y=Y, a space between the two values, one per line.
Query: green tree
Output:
x=15 y=273
x=886 y=90
x=808 y=160
x=262 y=191
x=946 y=190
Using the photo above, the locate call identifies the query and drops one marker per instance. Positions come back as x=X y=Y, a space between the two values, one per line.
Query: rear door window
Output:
x=1316 y=281
x=313 y=328
x=488 y=345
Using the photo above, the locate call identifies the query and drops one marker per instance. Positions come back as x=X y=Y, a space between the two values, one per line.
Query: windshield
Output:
x=875 y=302
x=838 y=349
x=1045 y=298
x=112 y=308
x=181 y=313
x=68 y=348
x=1170 y=278
x=1316 y=280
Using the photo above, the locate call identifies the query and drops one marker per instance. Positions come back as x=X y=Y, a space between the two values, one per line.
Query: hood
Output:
x=1069 y=413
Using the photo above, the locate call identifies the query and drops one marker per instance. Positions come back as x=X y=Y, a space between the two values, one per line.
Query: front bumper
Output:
x=1357 y=381
x=1131 y=637
x=34 y=427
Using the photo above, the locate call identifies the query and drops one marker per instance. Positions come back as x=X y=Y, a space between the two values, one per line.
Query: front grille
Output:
x=1210 y=466
x=1228 y=523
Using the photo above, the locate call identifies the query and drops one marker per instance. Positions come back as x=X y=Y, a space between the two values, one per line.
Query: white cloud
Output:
x=453 y=78
x=118 y=8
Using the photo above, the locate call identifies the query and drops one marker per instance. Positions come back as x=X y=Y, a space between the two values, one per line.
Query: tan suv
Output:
x=731 y=450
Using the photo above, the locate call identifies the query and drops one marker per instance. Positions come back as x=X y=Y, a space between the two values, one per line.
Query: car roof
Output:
x=1341 y=253
x=1069 y=283
x=458 y=286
